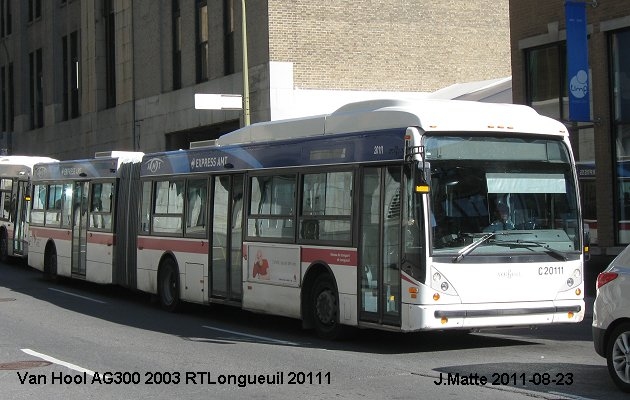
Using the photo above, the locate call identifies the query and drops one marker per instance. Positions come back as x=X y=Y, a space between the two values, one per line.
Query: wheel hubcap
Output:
x=325 y=307
x=621 y=356
x=169 y=288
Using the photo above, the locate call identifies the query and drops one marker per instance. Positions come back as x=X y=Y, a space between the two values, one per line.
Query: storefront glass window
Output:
x=547 y=93
x=620 y=58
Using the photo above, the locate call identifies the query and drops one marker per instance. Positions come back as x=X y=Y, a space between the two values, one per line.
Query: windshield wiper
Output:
x=466 y=250
x=530 y=243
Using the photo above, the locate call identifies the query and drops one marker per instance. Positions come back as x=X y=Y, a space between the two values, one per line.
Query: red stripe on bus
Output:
x=51 y=233
x=330 y=256
x=101 y=238
x=196 y=246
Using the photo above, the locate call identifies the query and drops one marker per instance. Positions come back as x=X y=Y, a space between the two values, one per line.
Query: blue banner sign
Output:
x=577 y=61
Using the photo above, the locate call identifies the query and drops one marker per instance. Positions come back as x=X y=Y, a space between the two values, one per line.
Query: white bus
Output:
x=403 y=216
x=15 y=177
x=76 y=205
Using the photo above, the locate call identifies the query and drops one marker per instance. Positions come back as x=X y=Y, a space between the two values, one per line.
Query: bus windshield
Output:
x=495 y=196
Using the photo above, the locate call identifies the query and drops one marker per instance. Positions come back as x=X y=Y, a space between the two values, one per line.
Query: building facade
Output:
x=601 y=146
x=79 y=77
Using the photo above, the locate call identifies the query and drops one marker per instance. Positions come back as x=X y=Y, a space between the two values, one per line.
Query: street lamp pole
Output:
x=245 y=67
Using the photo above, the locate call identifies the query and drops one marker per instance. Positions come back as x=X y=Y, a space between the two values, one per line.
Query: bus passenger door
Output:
x=79 y=227
x=20 y=216
x=227 y=238
x=379 y=271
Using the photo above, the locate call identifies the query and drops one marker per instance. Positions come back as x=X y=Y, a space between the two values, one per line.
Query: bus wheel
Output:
x=50 y=264
x=325 y=308
x=4 y=246
x=168 y=286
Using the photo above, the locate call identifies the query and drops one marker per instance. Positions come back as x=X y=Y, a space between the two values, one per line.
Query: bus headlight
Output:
x=573 y=281
x=441 y=284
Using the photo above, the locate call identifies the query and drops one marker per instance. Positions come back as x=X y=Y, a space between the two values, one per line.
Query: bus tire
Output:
x=50 y=263
x=4 y=246
x=325 y=308
x=168 y=285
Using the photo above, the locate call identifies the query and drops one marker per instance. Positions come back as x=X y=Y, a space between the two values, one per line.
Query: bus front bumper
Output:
x=490 y=315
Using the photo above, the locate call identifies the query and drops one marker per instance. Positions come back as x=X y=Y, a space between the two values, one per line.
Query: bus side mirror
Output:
x=420 y=183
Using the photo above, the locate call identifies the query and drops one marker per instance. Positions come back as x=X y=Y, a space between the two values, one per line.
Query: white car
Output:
x=611 y=319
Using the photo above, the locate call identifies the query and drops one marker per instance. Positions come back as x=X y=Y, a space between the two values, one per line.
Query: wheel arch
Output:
x=50 y=247
x=611 y=328
x=315 y=270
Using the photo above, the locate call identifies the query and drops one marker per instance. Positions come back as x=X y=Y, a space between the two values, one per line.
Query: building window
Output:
x=5 y=18
x=36 y=89
x=177 y=46
x=201 y=54
x=110 y=53
x=546 y=80
x=228 y=36
x=7 y=100
x=3 y=88
x=34 y=9
x=10 y=99
x=65 y=76
x=70 y=79
x=620 y=76
x=75 y=76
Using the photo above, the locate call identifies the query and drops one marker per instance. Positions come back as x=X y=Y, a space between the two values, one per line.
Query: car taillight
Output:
x=605 y=277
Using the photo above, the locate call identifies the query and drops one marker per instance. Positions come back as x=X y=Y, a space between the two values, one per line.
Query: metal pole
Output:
x=245 y=68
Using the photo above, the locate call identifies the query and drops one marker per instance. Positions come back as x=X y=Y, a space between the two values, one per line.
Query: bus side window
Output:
x=53 y=208
x=38 y=204
x=66 y=203
x=326 y=206
x=5 y=187
x=271 y=208
x=196 y=207
x=145 y=209
x=169 y=207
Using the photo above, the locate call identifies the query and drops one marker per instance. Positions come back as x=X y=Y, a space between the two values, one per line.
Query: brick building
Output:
x=83 y=76
x=602 y=146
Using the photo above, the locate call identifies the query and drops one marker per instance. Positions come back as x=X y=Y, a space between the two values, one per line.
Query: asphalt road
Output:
x=74 y=340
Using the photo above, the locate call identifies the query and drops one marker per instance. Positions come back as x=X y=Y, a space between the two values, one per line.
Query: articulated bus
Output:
x=15 y=176
x=403 y=216
x=74 y=230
